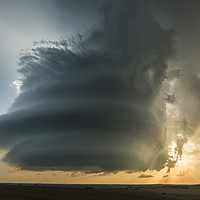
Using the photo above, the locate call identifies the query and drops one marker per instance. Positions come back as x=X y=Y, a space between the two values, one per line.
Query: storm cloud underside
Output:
x=98 y=101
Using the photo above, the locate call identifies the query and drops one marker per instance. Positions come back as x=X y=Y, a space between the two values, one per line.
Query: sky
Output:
x=99 y=91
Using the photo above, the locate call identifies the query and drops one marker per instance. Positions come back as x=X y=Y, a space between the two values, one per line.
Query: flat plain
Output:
x=98 y=192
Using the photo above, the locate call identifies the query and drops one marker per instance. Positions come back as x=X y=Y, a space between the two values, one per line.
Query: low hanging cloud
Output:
x=145 y=176
x=93 y=103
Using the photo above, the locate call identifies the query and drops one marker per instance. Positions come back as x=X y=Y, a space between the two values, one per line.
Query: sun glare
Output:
x=172 y=151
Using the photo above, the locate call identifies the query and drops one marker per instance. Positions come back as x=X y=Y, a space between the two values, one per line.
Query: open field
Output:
x=97 y=192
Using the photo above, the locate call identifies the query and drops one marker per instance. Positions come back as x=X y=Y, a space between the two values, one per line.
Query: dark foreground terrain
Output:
x=96 y=192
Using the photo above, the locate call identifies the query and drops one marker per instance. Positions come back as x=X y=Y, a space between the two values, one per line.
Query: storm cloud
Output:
x=94 y=102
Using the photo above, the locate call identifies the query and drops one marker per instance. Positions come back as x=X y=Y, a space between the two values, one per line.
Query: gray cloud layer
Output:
x=94 y=102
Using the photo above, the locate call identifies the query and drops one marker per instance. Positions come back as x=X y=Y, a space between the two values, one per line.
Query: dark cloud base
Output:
x=94 y=103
